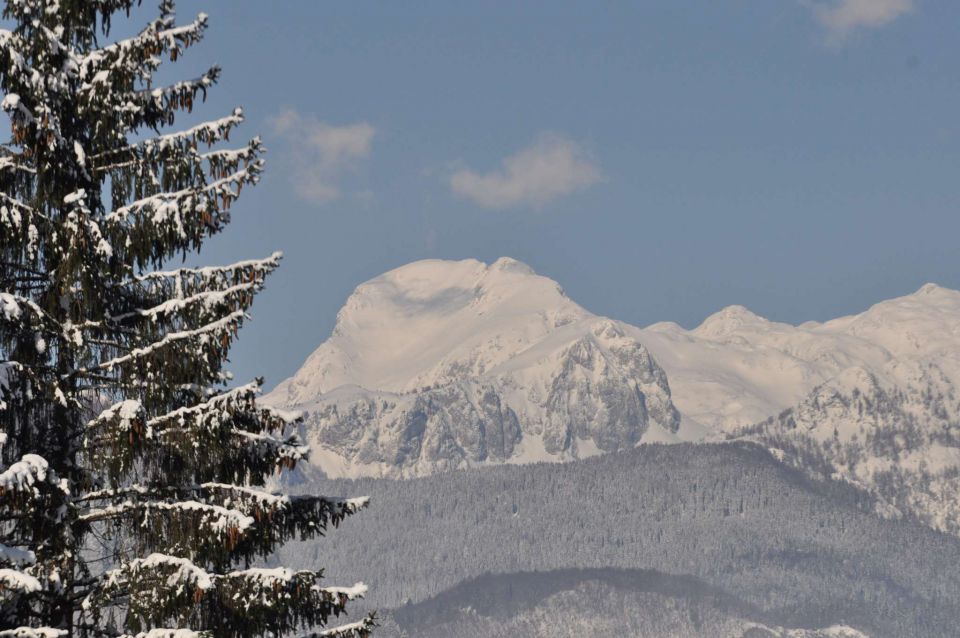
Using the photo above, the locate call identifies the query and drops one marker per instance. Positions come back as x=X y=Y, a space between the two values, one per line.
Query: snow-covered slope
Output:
x=439 y=365
x=737 y=368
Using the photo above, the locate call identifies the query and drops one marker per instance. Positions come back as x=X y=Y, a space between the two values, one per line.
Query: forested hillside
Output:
x=807 y=554
x=591 y=602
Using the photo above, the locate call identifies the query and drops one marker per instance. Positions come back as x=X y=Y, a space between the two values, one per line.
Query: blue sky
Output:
x=659 y=159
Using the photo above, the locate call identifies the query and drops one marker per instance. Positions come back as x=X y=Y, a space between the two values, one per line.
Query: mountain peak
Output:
x=727 y=321
x=930 y=289
x=512 y=265
x=444 y=364
x=399 y=330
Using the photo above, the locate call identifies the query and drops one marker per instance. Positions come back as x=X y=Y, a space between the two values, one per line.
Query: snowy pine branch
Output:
x=162 y=207
x=137 y=56
x=206 y=299
x=161 y=225
x=222 y=327
x=130 y=109
x=92 y=12
x=240 y=522
x=251 y=440
x=163 y=588
x=359 y=629
x=187 y=281
x=20 y=227
x=13 y=580
x=210 y=532
x=33 y=632
x=26 y=476
x=152 y=149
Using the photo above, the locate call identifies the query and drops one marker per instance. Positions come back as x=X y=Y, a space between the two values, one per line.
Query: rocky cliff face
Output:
x=442 y=365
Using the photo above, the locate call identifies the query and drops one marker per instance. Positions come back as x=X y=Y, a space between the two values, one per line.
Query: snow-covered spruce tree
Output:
x=128 y=487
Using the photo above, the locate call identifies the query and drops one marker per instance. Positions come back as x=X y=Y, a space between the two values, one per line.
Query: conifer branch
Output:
x=225 y=323
x=359 y=629
x=33 y=632
x=207 y=133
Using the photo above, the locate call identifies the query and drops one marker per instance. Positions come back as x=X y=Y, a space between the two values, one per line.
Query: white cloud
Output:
x=550 y=168
x=321 y=152
x=841 y=17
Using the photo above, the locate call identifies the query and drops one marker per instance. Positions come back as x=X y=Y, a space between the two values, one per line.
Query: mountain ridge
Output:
x=441 y=365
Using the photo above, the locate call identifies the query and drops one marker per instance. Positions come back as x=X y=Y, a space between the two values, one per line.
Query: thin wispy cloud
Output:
x=551 y=168
x=842 y=17
x=321 y=153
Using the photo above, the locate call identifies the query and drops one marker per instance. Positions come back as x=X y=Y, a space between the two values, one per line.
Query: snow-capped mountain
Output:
x=442 y=364
x=870 y=398
x=439 y=365
x=895 y=428
x=737 y=368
